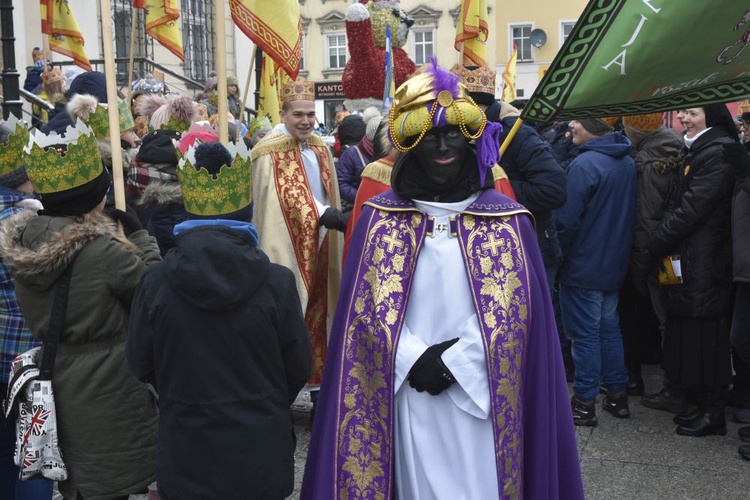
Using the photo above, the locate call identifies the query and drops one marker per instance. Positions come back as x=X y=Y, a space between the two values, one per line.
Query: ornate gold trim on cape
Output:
x=379 y=171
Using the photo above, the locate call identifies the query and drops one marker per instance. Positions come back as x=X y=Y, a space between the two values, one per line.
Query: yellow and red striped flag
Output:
x=509 y=76
x=59 y=23
x=161 y=23
x=275 y=27
x=472 y=30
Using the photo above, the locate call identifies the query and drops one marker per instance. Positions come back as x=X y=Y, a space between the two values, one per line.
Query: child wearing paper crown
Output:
x=106 y=418
x=244 y=354
x=16 y=196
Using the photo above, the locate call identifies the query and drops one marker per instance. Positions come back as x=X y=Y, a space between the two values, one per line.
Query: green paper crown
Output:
x=98 y=120
x=176 y=125
x=11 y=153
x=51 y=171
x=230 y=192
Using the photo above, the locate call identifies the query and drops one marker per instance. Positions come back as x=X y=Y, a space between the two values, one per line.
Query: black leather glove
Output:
x=738 y=158
x=333 y=218
x=129 y=220
x=429 y=373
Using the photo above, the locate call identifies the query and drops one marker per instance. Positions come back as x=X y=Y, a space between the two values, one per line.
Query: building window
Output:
x=303 y=59
x=122 y=17
x=305 y=22
x=565 y=28
x=424 y=45
x=198 y=38
x=520 y=35
x=336 y=51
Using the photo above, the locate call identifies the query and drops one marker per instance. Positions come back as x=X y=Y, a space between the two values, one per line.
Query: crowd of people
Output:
x=416 y=281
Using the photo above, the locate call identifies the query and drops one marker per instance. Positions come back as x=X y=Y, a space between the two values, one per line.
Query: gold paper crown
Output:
x=51 y=171
x=419 y=105
x=230 y=192
x=298 y=90
x=11 y=153
x=52 y=76
x=98 y=119
x=481 y=79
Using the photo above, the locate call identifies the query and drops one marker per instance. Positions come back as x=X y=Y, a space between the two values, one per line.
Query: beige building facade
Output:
x=539 y=28
x=325 y=46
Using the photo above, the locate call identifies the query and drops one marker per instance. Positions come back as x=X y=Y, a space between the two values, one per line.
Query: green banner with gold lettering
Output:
x=627 y=57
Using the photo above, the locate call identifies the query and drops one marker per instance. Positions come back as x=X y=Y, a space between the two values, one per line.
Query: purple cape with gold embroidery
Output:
x=351 y=447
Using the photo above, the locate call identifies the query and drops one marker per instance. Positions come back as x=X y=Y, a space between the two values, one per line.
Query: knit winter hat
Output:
x=171 y=114
x=90 y=82
x=644 y=123
x=599 y=126
x=371 y=117
x=200 y=132
x=351 y=130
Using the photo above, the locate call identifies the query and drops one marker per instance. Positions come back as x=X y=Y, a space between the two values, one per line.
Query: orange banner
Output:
x=161 y=23
x=59 y=23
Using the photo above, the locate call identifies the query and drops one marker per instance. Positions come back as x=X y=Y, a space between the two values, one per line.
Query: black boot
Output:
x=708 y=423
x=745 y=451
x=665 y=400
x=687 y=417
x=744 y=433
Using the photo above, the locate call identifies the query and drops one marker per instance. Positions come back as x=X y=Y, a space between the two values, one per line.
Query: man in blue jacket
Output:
x=595 y=228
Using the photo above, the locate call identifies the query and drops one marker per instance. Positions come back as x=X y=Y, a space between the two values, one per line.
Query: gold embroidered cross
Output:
x=393 y=241
x=492 y=245
x=511 y=343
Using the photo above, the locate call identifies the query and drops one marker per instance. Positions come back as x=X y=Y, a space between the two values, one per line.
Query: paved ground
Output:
x=637 y=458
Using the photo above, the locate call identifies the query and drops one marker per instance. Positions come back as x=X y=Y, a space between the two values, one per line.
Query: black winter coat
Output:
x=698 y=227
x=538 y=181
x=741 y=229
x=219 y=331
x=657 y=160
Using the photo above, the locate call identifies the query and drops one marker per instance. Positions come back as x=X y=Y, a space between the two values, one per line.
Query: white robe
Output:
x=444 y=447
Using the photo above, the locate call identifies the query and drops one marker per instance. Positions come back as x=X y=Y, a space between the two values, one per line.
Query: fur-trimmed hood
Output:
x=40 y=247
x=105 y=151
x=161 y=193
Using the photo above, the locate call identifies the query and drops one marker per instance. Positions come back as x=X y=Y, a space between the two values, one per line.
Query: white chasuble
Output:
x=444 y=446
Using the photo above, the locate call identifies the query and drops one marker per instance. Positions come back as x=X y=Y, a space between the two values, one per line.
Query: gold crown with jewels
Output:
x=481 y=79
x=298 y=90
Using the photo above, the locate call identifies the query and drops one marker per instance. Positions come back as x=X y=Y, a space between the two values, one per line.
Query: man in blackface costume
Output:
x=444 y=378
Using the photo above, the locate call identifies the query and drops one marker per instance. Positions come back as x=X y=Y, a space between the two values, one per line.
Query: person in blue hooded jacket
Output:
x=595 y=229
